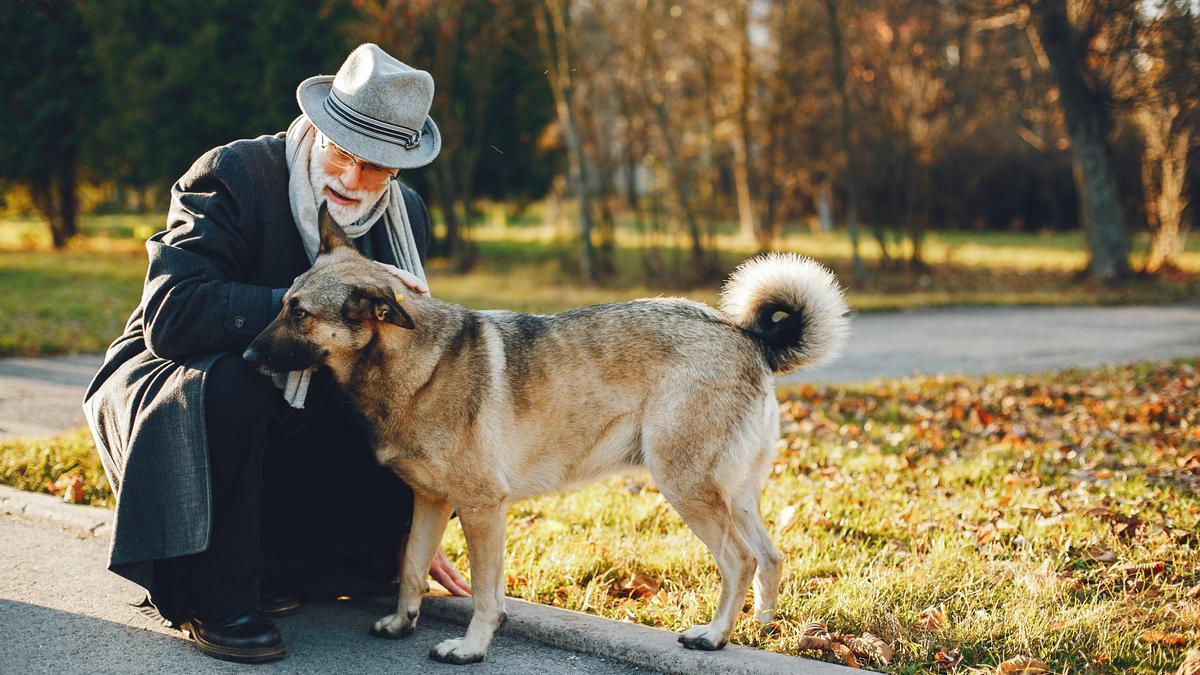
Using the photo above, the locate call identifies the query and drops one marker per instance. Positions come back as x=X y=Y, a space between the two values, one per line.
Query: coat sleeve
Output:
x=195 y=299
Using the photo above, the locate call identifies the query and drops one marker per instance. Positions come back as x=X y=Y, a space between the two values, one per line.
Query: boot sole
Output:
x=282 y=610
x=234 y=655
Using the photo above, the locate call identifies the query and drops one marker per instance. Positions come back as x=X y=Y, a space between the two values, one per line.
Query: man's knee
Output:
x=237 y=397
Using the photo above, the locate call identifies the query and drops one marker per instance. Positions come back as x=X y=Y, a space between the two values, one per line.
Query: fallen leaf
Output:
x=947 y=659
x=70 y=486
x=1022 y=665
x=1157 y=637
x=844 y=653
x=873 y=647
x=1144 y=569
x=814 y=628
x=771 y=629
x=637 y=586
x=932 y=618
x=813 y=642
x=1101 y=554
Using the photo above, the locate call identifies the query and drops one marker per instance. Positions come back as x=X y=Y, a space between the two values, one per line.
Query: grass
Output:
x=78 y=300
x=978 y=519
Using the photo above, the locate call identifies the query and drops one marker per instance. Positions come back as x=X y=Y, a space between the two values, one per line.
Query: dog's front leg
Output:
x=484 y=530
x=428 y=524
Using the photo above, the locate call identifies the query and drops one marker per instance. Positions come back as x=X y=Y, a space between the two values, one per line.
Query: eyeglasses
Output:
x=372 y=173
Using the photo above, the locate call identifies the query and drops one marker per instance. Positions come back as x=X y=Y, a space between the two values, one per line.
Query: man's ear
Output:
x=376 y=304
x=332 y=235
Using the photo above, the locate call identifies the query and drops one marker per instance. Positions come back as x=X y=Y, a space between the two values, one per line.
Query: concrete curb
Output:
x=86 y=521
x=653 y=649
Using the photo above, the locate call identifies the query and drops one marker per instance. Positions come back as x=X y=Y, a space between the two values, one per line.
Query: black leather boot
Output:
x=275 y=604
x=249 y=637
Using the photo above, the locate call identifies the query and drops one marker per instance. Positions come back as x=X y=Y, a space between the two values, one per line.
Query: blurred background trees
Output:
x=695 y=123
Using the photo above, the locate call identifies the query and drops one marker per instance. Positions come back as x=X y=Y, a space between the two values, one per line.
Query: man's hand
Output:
x=440 y=569
x=409 y=279
x=444 y=573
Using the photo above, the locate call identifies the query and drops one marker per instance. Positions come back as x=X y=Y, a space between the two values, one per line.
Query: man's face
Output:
x=350 y=186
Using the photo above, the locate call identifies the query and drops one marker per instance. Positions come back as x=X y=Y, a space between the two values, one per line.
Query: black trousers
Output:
x=297 y=506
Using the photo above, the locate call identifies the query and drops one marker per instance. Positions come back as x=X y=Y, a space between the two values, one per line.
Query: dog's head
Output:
x=333 y=311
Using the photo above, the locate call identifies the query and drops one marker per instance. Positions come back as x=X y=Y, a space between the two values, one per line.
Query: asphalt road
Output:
x=974 y=341
x=61 y=611
x=41 y=396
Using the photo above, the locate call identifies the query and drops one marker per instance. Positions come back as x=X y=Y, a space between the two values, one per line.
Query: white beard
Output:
x=320 y=179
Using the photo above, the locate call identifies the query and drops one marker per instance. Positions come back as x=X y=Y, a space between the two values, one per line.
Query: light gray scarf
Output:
x=299 y=141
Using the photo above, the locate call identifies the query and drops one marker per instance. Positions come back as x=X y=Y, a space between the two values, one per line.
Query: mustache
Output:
x=336 y=184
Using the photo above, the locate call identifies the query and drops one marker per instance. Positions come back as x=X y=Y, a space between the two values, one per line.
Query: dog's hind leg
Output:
x=484 y=531
x=748 y=520
x=430 y=516
x=708 y=512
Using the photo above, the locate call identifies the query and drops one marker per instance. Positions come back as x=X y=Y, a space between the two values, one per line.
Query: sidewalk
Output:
x=62 y=611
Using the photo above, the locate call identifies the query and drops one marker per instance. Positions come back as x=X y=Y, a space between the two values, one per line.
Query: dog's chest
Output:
x=420 y=474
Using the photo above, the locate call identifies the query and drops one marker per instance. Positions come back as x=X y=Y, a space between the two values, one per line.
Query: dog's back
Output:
x=581 y=389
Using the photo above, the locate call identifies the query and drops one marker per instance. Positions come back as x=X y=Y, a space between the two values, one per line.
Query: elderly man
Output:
x=235 y=496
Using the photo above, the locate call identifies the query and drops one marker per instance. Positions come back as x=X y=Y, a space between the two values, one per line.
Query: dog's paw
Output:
x=394 y=627
x=456 y=651
x=703 y=637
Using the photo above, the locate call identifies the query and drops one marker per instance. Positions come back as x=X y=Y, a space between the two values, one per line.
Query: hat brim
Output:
x=311 y=95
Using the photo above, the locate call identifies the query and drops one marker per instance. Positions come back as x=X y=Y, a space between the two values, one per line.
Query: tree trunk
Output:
x=1164 y=170
x=553 y=39
x=1089 y=122
x=680 y=183
x=55 y=198
x=68 y=205
x=851 y=179
x=743 y=172
x=443 y=185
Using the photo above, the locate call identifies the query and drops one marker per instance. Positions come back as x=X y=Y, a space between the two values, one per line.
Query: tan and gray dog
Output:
x=478 y=409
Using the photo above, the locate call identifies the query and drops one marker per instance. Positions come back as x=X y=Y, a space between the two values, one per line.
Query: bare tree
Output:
x=845 y=129
x=555 y=37
x=1166 y=104
x=1086 y=100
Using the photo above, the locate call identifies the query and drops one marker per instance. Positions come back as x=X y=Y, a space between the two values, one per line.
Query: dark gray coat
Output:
x=216 y=277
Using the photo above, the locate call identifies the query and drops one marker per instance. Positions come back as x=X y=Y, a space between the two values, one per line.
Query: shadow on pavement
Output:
x=324 y=637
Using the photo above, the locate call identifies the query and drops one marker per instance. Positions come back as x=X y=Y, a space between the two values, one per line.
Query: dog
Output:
x=478 y=409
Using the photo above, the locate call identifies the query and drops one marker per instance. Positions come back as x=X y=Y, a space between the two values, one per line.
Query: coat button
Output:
x=239 y=322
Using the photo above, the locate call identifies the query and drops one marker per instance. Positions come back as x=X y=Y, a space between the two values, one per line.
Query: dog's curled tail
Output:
x=792 y=305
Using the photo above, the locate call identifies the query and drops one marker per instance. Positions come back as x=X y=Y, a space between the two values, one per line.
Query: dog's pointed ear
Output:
x=376 y=304
x=332 y=235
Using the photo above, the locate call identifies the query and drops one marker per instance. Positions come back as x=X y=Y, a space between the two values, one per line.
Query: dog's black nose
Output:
x=251 y=354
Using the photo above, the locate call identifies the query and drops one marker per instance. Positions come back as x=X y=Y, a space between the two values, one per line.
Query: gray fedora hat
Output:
x=376 y=108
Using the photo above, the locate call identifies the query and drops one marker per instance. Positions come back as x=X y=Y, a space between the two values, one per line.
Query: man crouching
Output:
x=231 y=503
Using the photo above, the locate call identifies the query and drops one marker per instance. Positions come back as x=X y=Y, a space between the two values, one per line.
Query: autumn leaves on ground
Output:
x=928 y=524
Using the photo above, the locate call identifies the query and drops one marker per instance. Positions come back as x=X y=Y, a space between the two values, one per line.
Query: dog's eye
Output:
x=298 y=313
